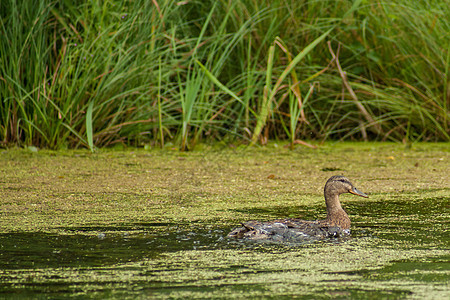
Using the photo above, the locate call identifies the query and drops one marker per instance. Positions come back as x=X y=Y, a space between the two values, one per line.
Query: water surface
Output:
x=398 y=249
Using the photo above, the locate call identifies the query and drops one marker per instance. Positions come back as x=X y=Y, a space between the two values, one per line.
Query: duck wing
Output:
x=286 y=230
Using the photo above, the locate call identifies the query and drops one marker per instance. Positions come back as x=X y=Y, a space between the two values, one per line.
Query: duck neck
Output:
x=333 y=204
x=336 y=216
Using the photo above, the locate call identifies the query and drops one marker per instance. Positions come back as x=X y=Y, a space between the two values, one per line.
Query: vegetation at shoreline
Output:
x=93 y=74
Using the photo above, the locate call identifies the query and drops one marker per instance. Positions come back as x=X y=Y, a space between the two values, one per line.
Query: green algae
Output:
x=351 y=268
x=127 y=224
x=48 y=189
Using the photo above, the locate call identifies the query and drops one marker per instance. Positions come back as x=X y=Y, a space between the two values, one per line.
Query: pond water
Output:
x=398 y=249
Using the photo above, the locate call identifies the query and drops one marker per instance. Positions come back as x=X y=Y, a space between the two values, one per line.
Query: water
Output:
x=398 y=249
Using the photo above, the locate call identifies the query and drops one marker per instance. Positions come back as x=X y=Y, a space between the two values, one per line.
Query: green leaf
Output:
x=89 y=131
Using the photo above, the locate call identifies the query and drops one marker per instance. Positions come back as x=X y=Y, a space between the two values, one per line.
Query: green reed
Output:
x=93 y=74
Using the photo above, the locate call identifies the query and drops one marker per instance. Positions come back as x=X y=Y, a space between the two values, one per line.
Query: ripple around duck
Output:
x=101 y=246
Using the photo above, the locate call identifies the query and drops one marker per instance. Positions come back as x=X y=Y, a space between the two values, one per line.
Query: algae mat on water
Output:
x=153 y=223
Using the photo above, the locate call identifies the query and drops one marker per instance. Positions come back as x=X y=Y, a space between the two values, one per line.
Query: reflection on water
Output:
x=397 y=249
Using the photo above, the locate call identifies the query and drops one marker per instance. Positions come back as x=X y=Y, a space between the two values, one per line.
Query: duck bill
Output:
x=355 y=191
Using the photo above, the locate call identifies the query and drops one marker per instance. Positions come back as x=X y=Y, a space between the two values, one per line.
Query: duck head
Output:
x=338 y=184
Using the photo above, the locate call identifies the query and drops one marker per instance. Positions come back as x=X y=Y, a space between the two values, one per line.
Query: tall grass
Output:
x=97 y=73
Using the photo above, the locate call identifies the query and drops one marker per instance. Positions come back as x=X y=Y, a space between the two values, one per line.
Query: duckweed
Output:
x=135 y=223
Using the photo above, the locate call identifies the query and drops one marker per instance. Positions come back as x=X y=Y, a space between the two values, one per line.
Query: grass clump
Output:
x=93 y=74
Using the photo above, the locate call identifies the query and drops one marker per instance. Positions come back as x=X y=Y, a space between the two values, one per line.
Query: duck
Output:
x=336 y=224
